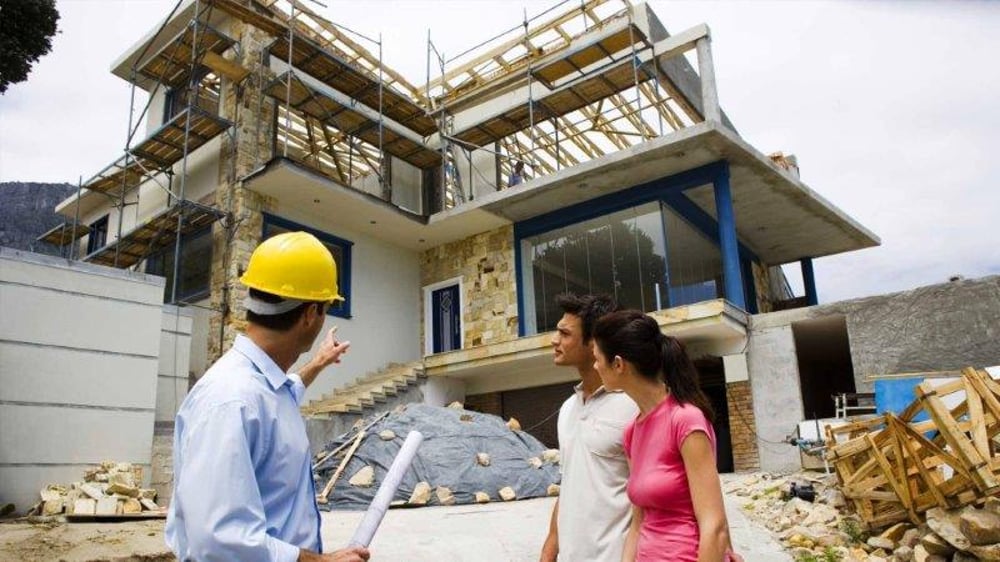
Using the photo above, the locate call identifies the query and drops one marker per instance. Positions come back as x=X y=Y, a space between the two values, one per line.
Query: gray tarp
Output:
x=446 y=458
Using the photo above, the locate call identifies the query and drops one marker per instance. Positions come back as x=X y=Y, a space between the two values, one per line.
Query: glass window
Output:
x=647 y=257
x=98 y=236
x=694 y=272
x=622 y=254
x=195 y=272
x=340 y=248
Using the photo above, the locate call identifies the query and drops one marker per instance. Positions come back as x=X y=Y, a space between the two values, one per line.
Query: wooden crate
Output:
x=894 y=469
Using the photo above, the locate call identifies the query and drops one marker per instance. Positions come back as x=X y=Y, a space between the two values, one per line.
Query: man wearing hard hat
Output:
x=243 y=487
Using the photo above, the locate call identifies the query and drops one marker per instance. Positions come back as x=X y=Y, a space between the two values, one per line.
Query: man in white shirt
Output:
x=591 y=517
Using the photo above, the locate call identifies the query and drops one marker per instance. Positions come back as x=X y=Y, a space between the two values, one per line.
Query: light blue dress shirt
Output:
x=243 y=487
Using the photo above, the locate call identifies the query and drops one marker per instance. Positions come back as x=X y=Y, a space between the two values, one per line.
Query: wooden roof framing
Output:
x=63 y=233
x=337 y=73
x=172 y=63
x=155 y=234
x=618 y=43
x=562 y=102
x=323 y=148
x=349 y=121
x=511 y=57
x=158 y=152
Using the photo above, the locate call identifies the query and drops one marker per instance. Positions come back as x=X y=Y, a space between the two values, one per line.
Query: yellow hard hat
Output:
x=293 y=265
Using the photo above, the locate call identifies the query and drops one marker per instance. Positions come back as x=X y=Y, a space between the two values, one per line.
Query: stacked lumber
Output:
x=893 y=468
x=109 y=490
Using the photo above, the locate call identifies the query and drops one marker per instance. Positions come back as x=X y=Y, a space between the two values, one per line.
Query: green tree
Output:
x=26 y=30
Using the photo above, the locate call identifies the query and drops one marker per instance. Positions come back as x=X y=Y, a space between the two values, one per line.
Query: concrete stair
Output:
x=368 y=391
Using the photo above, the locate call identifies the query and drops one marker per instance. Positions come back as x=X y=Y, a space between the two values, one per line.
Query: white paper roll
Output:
x=383 y=497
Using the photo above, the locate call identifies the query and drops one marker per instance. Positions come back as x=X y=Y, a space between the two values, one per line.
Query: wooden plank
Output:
x=225 y=67
x=977 y=420
x=951 y=433
x=322 y=498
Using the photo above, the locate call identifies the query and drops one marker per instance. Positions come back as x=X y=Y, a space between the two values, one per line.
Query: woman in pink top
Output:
x=678 y=514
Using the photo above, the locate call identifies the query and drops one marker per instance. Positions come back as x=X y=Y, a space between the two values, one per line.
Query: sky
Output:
x=891 y=108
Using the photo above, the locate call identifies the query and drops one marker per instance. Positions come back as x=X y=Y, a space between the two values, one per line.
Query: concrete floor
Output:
x=498 y=532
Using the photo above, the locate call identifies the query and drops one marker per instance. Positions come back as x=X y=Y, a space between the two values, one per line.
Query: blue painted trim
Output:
x=670 y=191
x=344 y=310
x=518 y=284
x=809 y=281
x=631 y=197
x=702 y=221
x=731 y=277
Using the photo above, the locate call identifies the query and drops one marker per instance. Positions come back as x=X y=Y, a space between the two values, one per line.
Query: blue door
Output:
x=445 y=324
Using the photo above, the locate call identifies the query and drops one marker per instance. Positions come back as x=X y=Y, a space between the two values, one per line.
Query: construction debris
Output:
x=110 y=490
x=940 y=452
x=387 y=435
x=513 y=424
x=817 y=531
x=465 y=461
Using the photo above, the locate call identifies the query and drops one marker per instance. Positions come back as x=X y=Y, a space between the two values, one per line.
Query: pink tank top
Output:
x=658 y=481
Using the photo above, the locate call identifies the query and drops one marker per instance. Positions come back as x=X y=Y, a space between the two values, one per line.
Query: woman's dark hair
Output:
x=636 y=338
x=276 y=322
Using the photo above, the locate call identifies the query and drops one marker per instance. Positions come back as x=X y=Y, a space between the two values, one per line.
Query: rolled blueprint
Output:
x=376 y=511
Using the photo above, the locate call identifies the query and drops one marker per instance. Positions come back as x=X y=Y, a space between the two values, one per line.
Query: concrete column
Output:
x=706 y=71
x=731 y=274
x=809 y=281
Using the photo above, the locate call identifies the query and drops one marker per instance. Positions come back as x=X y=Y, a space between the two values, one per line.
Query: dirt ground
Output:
x=494 y=532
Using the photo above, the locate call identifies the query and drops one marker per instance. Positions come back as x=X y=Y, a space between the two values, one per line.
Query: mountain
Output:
x=26 y=212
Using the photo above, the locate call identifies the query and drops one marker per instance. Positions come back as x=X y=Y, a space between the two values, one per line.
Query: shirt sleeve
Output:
x=688 y=419
x=219 y=502
x=298 y=388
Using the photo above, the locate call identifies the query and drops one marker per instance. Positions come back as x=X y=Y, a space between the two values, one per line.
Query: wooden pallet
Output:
x=892 y=468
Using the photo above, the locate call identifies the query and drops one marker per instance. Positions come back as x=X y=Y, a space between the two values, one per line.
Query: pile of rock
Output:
x=111 y=489
x=823 y=530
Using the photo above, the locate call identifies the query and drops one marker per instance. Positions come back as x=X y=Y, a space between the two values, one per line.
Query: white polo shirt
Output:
x=594 y=510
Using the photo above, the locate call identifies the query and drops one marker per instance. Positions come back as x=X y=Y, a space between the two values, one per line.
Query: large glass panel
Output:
x=695 y=263
x=622 y=254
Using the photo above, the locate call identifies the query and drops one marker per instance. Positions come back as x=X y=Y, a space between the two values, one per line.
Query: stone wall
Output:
x=762 y=285
x=253 y=118
x=485 y=263
x=743 y=427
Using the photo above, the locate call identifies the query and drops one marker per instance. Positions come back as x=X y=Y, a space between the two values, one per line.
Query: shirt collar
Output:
x=600 y=390
x=271 y=371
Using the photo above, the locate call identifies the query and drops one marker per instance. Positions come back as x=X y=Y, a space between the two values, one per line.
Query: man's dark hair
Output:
x=276 y=322
x=588 y=308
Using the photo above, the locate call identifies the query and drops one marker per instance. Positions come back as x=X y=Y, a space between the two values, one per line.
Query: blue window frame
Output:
x=679 y=286
x=339 y=247
x=98 y=236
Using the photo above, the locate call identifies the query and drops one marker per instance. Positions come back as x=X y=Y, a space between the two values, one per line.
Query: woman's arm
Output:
x=706 y=495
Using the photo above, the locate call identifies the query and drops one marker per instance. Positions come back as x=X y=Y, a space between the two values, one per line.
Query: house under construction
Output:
x=582 y=151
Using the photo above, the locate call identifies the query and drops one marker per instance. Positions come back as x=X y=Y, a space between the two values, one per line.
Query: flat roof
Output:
x=777 y=215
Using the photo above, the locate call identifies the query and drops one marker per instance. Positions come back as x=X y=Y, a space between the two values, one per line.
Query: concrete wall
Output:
x=385 y=306
x=939 y=327
x=79 y=347
x=174 y=362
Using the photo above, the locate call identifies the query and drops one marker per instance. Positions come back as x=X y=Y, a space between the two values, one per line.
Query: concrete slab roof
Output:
x=777 y=216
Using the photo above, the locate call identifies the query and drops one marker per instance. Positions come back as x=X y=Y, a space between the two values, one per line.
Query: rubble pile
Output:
x=824 y=530
x=111 y=489
x=466 y=457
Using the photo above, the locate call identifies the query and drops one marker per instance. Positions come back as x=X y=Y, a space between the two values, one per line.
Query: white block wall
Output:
x=79 y=349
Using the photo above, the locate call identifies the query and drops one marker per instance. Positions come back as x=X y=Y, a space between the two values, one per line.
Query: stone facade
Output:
x=762 y=285
x=743 y=427
x=485 y=263
x=252 y=116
